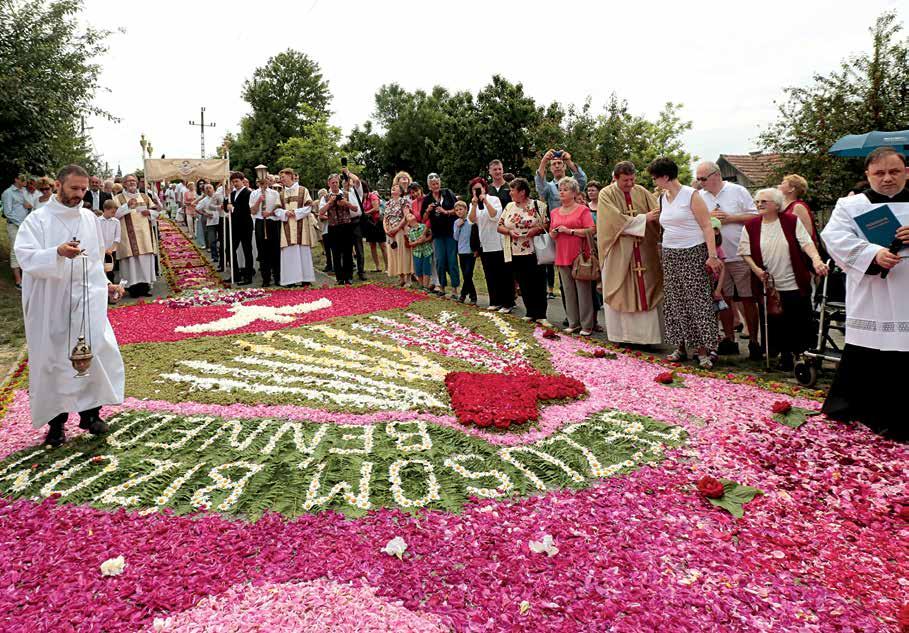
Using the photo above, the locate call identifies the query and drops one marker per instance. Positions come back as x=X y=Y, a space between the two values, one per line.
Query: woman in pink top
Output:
x=189 y=206
x=570 y=226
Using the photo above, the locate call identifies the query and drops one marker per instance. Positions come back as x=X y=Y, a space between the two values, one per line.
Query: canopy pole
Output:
x=229 y=226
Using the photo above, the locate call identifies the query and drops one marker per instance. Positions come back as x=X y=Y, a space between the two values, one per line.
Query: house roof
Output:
x=755 y=167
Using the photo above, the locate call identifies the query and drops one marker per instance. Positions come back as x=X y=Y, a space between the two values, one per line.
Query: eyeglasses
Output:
x=761 y=203
x=704 y=178
x=43 y=188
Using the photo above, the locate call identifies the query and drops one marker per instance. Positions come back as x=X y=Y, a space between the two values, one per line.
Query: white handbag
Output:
x=543 y=244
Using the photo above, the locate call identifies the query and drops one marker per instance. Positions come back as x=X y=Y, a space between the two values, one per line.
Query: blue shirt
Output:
x=462 y=235
x=14 y=205
x=549 y=191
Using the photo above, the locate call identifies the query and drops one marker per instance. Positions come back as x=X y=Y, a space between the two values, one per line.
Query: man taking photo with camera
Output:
x=340 y=209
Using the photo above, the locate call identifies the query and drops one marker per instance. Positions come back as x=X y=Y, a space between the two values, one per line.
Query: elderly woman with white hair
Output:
x=571 y=226
x=774 y=246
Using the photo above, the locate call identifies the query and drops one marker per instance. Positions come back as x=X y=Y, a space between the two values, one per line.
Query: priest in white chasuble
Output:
x=299 y=231
x=627 y=237
x=139 y=245
x=872 y=373
x=56 y=300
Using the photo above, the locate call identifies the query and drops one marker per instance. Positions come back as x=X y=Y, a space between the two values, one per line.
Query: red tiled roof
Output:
x=755 y=167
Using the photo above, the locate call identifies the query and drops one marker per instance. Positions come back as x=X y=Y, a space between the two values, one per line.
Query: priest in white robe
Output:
x=299 y=231
x=137 y=250
x=872 y=373
x=48 y=246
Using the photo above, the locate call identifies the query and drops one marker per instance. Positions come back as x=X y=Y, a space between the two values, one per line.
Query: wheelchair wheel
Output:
x=805 y=373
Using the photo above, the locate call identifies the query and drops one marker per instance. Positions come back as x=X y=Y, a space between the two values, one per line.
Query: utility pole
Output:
x=202 y=125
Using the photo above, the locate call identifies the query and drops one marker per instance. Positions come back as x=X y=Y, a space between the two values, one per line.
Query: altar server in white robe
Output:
x=48 y=246
x=299 y=231
x=871 y=377
x=138 y=247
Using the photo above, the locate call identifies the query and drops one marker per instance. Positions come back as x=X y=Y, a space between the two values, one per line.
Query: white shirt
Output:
x=877 y=310
x=212 y=206
x=488 y=228
x=272 y=202
x=680 y=227
x=110 y=231
x=775 y=251
x=735 y=200
x=96 y=199
x=355 y=211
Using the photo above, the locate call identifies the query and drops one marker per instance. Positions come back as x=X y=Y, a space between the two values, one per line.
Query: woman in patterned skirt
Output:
x=689 y=250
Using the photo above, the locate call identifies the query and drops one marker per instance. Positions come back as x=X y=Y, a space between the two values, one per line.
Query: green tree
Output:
x=597 y=143
x=286 y=95
x=413 y=125
x=315 y=154
x=869 y=91
x=506 y=116
x=47 y=78
x=366 y=147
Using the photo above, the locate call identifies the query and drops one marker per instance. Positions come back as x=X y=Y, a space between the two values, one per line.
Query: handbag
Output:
x=586 y=266
x=774 y=303
x=543 y=244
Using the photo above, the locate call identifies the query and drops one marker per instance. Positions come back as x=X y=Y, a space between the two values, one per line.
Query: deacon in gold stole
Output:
x=138 y=246
x=299 y=231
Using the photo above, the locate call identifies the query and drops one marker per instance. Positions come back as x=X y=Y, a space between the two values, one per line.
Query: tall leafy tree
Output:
x=366 y=147
x=48 y=75
x=869 y=91
x=314 y=154
x=286 y=95
x=506 y=117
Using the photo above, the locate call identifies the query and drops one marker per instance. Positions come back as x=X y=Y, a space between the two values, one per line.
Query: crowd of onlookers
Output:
x=718 y=262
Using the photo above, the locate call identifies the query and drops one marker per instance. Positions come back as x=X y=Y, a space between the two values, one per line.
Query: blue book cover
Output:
x=879 y=225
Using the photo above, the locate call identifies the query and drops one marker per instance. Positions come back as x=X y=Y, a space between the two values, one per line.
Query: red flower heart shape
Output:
x=501 y=400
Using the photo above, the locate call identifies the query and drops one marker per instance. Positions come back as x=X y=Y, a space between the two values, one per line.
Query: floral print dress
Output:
x=517 y=218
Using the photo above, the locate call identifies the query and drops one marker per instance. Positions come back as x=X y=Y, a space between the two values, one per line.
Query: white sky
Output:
x=726 y=62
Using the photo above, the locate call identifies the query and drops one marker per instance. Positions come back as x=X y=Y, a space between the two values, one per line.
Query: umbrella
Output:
x=853 y=145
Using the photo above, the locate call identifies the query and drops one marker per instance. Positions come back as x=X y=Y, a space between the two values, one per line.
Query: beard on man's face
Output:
x=69 y=201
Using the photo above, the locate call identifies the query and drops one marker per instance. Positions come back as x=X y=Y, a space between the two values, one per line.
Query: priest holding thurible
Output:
x=64 y=300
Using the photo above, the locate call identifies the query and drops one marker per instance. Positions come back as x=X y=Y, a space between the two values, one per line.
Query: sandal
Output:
x=677 y=356
x=708 y=361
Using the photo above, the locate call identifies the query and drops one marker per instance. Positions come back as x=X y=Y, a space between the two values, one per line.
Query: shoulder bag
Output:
x=586 y=266
x=543 y=244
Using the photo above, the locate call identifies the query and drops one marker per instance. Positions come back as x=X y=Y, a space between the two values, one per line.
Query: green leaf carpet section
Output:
x=153 y=461
x=391 y=360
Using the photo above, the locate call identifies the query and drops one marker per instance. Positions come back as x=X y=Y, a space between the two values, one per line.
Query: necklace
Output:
x=69 y=229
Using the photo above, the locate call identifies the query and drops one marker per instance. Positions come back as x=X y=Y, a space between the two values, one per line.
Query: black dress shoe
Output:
x=755 y=352
x=243 y=282
x=362 y=276
x=94 y=425
x=55 y=436
x=728 y=348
